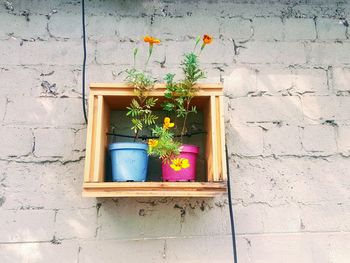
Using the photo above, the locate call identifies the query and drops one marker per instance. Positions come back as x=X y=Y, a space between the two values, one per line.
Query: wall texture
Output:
x=286 y=69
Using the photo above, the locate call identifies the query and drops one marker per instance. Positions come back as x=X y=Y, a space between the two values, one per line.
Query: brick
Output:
x=310 y=81
x=106 y=73
x=220 y=52
x=299 y=29
x=343 y=141
x=131 y=223
x=317 y=218
x=265 y=109
x=198 y=219
x=63 y=82
x=63 y=146
x=80 y=140
x=246 y=141
x=13 y=78
x=275 y=81
x=287 y=216
x=3 y=106
x=329 y=53
x=318 y=109
x=268 y=28
x=200 y=249
x=338 y=246
x=195 y=249
x=341 y=79
x=71 y=28
x=26 y=225
x=296 y=248
x=330 y=29
x=164 y=27
x=39 y=252
x=105 y=251
x=272 y=52
x=76 y=223
x=319 y=138
x=284 y=140
x=249 y=219
x=16 y=141
x=111 y=52
x=236 y=28
x=18 y=27
x=45 y=185
x=43 y=52
x=241 y=82
x=97 y=27
x=44 y=111
x=276 y=182
x=141 y=27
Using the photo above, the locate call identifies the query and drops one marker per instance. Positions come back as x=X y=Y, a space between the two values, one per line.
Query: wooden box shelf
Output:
x=105 y=98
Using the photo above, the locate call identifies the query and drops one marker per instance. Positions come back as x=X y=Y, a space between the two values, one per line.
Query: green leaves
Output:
x=142 y=114
x=166 y=148
x=139 y=80
x=140 y=109
x=180 y=94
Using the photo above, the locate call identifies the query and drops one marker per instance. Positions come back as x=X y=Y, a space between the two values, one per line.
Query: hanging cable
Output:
x=84 y=60
x=232 y=221
x=145 y=137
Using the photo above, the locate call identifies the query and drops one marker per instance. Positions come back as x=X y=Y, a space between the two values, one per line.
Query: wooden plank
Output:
x=208 y=142
x=100 y=140
x=207 y=194
x=150 y=185
x=92 y=140
x=207 y=86
x=137 y=189
x=214 y=139
x=89 y=139
x=222 y=142
x=155 y=93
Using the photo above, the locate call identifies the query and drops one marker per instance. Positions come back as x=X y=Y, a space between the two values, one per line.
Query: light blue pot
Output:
x=129 y=161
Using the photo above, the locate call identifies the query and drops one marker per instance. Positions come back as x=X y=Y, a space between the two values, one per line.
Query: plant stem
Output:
x=185 y=119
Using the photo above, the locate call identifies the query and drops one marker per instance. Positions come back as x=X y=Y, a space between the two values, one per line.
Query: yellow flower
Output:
x=185 y=163
x=179 y=163
x=152 y=143
x=167 y=124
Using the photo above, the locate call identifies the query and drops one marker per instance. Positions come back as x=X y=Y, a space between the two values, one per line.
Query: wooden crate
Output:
x=106 y=97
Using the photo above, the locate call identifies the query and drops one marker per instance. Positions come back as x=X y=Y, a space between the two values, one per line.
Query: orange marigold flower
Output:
x=207 y=39
x=151 y=40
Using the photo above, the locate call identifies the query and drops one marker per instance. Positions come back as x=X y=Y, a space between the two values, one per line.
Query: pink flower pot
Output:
x=183 y=167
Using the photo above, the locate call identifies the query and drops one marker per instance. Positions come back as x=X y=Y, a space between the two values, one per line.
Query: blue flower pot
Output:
x=129 y=161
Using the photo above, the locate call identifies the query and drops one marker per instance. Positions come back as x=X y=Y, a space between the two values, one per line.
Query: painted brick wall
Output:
x=286 y=70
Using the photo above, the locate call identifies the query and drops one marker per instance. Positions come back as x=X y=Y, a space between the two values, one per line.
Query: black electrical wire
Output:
x=144 y=137
x=84 y=60
x=232 y=221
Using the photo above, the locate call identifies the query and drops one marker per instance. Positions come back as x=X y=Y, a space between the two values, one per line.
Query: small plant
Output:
x=164 y=147
x=140 y=109
x=180 y=94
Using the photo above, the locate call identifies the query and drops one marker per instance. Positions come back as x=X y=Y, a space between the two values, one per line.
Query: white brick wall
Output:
x=286 y=70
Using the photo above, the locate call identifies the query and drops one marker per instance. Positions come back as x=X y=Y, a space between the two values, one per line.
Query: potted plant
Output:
x=179 y=164
x=129 y=160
